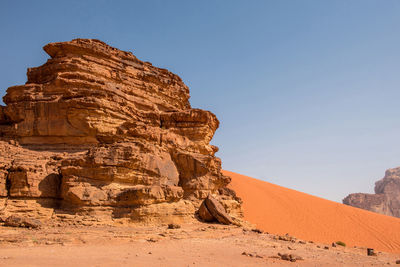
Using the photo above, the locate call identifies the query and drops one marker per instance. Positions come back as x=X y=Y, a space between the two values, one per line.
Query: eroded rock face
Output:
x=386 y=199
x=97 y=132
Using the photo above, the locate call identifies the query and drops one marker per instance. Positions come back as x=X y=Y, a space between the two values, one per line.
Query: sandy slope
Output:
x=281 y=210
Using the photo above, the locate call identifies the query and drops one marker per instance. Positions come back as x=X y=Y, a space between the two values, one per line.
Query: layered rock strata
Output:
x=386 y=199
x=97 y=133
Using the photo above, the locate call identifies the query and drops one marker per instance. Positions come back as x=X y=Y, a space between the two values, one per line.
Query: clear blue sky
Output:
x=307 y=92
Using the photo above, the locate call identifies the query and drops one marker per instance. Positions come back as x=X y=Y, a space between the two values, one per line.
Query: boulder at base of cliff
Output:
x=211 y=209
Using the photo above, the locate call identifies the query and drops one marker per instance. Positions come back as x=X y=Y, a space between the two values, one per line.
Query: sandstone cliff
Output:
x=97 y=134
x=386 y=199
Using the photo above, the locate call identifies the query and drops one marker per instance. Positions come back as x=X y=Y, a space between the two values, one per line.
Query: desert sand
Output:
x=196 y=244
x=280 y=210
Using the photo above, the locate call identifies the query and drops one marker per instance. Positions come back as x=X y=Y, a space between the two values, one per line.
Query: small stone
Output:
x=173 y=226
x=398 y=262
x=284 y=238
x=371 y=252
x=289 y=257
x=251 y=254
x=258 y=231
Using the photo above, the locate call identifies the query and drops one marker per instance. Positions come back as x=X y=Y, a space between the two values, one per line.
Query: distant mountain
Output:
x=386 y=199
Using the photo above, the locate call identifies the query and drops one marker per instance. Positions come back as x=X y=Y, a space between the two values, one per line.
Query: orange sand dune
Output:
x=280 y=210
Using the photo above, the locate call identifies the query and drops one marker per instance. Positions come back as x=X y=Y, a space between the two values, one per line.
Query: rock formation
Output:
x=99 y=135
x=211 y=210
x=386 y=199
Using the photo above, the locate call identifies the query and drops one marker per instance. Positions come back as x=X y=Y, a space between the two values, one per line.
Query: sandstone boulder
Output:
x=212 y=209
x=204 y=214
x=16 y=221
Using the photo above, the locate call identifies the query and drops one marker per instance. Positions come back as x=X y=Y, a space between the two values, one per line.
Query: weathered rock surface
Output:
x=204 y=213
x=386 y=199
x=96 y=132
x=211 y=210
x=15 y=221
